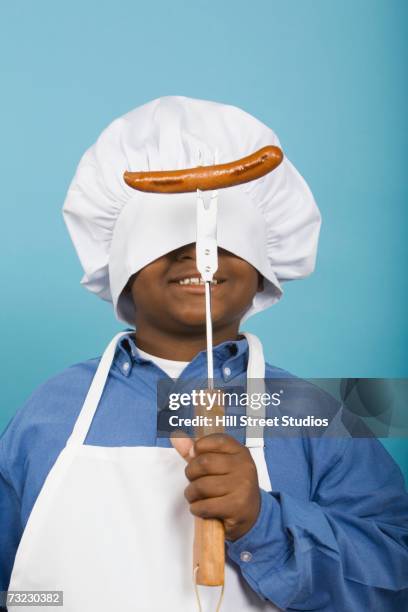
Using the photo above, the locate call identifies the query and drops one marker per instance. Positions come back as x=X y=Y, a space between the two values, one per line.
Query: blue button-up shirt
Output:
x=332 y=535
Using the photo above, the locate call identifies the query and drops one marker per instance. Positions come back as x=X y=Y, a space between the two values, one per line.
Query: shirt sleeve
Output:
x=10 y=522
x=346 y=548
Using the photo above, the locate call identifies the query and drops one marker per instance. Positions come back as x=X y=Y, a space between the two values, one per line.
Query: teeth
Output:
x=195 y=281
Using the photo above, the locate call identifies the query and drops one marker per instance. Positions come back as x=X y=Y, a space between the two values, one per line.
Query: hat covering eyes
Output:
x=271 y=222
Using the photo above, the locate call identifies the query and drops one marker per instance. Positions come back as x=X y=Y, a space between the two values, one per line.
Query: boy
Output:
x=92 y=498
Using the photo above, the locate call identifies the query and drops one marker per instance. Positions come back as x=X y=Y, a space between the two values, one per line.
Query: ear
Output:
x=260 y=282
x=128 y=287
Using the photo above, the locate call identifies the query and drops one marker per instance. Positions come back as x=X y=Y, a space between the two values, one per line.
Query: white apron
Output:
x=111 y=527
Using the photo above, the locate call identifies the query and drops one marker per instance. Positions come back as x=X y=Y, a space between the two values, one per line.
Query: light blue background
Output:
x=328 y=76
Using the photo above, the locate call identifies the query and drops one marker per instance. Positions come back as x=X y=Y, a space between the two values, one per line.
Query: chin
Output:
x=196 y=318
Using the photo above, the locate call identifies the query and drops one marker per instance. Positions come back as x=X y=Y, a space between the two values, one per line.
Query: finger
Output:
x=210 y=464
x=183 y=445
x=214 y=507
x=217 y=443
x=207 y=487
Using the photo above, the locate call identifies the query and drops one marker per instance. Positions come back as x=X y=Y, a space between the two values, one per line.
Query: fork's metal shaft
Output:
x=209 y=334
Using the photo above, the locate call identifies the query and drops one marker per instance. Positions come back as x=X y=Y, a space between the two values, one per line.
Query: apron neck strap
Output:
x=94 y=394
x=254 y=435
x=256 y=361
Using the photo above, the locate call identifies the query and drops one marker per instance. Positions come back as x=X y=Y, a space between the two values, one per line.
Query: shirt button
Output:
x=126 y=367
x=245 y=556
x=227 y=371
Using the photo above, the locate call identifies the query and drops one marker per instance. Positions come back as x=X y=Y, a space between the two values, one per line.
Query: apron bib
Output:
x=111 y=527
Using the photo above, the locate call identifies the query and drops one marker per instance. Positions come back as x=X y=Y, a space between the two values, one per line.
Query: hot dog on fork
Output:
x=240 y=171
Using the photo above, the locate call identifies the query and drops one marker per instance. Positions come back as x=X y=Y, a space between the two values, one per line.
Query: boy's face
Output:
x=161 y=301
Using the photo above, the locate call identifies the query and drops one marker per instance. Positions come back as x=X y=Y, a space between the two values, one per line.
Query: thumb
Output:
x=183 y=445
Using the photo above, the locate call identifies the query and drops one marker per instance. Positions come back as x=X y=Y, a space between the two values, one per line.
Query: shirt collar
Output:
x=231 y=355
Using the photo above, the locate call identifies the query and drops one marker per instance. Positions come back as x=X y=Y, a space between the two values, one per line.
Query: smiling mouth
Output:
x=195 y=283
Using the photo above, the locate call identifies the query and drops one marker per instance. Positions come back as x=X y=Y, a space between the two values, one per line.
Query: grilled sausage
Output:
x=207 y=177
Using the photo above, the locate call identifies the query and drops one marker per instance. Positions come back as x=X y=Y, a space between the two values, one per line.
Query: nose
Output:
x=187 y=251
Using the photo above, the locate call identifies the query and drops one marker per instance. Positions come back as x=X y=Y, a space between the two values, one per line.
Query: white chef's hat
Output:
x=272 y=222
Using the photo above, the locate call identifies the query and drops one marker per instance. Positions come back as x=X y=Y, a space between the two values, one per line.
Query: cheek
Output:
x=144 y=290
x=238 y=296
x=244 y=293
x=246 y=280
